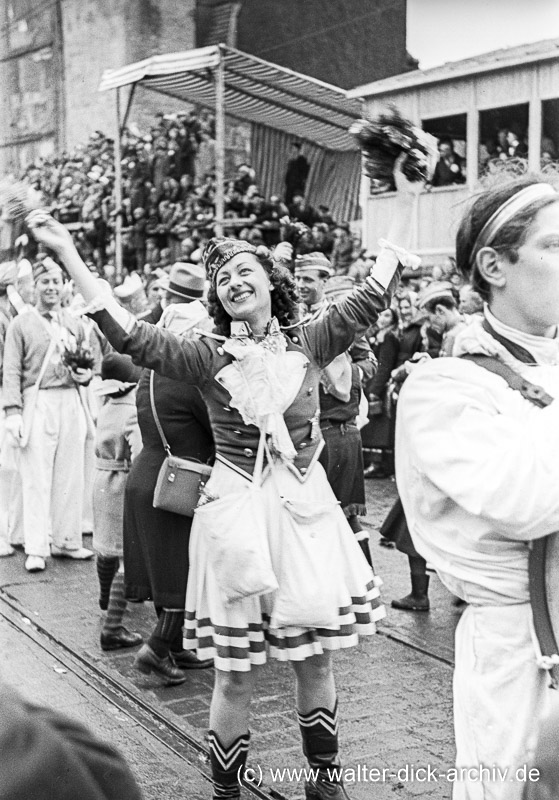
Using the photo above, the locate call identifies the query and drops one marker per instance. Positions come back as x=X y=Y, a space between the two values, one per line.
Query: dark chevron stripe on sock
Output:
x=321 y=717
x=227 y=763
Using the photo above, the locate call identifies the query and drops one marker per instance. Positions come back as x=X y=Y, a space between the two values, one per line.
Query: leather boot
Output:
x=319 y=731
x=227 y=765
x=418 y=599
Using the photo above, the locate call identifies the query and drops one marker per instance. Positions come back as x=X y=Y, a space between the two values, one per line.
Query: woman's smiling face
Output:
x=243 y=289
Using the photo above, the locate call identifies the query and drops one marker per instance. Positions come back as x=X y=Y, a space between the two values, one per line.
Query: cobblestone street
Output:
x=395 y=688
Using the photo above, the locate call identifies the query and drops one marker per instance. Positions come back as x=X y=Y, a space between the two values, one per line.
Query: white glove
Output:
x=283 y=252
x=14 y=426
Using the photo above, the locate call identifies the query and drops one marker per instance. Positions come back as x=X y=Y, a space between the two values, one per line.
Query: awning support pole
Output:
x=219 y=144
x=118 y=190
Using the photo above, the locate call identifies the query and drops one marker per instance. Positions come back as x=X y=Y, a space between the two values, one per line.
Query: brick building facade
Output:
x=52 y=55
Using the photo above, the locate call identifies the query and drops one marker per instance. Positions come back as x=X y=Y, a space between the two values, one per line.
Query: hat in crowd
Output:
x=313 y=262
x=8 y=273
x=435 y=291
x=45 y=266
x=119 y=374
x=130 y=288
x=338 y=286
x=219 y=251
x=187 y=280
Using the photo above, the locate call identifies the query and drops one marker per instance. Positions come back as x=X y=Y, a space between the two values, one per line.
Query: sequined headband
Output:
x=513 y=206
x=225 y=250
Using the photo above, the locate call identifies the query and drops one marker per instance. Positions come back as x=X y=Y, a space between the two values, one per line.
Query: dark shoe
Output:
x=412 y=603
x=147 y=661
x=187 y=660
x=324 y=789
x=78 y=554
x=117 y=640
x=386 y=543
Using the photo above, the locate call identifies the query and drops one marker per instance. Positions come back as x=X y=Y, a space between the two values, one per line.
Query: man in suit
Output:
x=449 y=169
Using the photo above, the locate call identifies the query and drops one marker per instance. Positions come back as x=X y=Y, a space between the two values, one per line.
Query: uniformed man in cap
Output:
x=45 y=417
x=340 y=392
x=439 y=302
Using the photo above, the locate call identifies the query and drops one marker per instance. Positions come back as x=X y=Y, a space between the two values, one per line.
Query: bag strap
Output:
x=44 y=365
x=156 y=417
x=530 y=391
x=538 y=552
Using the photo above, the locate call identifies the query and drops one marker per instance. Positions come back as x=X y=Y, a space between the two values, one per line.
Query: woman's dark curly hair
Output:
x=284 y=295
x=508 y=239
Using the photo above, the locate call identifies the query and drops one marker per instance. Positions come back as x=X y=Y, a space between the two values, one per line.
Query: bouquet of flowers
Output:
x=77 y=356
x=382 y=140
x=298 y=235
x=17 y=199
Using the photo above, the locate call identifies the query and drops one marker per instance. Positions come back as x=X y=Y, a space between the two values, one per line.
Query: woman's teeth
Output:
x=240 y=297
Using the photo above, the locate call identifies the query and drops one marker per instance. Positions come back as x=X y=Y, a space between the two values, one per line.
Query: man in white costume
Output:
x=44 y=415
x=478 y=474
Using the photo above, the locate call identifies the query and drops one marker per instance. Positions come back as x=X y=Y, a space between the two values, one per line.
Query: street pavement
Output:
x=394 y=689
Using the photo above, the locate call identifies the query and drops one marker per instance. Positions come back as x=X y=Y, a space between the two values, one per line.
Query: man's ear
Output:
x=490 y=266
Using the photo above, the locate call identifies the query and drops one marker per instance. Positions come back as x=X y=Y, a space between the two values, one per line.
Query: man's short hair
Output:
x=447 y=302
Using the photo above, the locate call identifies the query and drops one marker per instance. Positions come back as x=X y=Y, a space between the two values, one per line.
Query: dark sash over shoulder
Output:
x=544 y=551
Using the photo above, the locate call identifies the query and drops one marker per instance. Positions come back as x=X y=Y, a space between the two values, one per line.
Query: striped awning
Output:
x=255 y=91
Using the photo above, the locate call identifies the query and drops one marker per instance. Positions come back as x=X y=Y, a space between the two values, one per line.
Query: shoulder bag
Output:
x=180 y=480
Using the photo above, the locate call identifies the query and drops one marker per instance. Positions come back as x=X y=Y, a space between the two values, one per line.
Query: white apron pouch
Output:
x=234 y=530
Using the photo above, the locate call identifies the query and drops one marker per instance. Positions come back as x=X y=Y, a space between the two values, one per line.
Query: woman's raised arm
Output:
x=151 y=347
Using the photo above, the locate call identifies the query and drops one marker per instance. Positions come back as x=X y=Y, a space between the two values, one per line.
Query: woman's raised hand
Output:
x=283 y=252
x=48 y=231
x=403 y=185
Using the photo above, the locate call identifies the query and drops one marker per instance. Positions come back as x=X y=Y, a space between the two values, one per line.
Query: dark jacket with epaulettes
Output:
x=198 y=362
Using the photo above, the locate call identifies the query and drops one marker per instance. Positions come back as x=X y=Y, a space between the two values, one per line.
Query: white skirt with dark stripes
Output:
x=239 y=635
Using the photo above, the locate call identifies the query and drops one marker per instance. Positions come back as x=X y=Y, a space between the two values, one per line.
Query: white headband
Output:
x=513 y=206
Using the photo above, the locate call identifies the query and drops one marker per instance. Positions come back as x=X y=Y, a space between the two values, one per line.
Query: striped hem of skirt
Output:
x=238 y=649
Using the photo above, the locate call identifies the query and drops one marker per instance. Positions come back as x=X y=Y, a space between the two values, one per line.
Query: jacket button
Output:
x=227 y=408
x=248 y=452
x=220 y=351
x=302 y=445
x=238 y=433
x=295 y=339
x=303 y=470
x=310 y=391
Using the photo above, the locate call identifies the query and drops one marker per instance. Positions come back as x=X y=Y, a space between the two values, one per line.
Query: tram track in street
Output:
x=119 y=689
x=119 y=695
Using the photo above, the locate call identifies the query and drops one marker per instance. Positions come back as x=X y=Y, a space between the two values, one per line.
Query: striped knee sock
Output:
x=106 y=569
x=227 y=763
x=117 y=605
x=319 y=732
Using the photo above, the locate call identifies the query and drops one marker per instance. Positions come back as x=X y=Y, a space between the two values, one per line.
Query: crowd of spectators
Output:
x=169 y=188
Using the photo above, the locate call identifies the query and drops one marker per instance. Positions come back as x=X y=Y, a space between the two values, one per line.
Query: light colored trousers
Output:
x=52 y=473
x=11 y=503
x=500 y=696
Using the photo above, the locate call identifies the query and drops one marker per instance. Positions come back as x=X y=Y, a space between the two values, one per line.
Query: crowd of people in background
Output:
x=169 y=187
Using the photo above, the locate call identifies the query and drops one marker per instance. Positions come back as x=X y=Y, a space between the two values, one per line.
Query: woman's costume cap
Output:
x=505 y=213
x=219 y=251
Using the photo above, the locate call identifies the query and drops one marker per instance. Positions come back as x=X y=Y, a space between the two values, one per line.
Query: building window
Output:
x=451 y=135
x=503 y=140
x=549 y=152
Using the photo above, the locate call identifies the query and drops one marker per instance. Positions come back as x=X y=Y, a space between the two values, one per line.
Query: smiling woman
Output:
x=259 y=376
x=251 y=286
